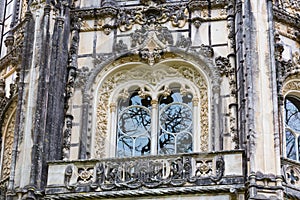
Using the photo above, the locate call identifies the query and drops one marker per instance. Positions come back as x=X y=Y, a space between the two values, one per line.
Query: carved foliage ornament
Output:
x=153 y=77
x=7 y=131
x=152 y=15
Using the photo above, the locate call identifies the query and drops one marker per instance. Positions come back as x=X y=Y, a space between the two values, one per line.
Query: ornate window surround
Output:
x=102 y=123
x=291 y=88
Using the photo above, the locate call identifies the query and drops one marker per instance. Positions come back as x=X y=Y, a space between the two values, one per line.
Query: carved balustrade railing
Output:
x=291 y=178
x=291 y=172
x=147 y=172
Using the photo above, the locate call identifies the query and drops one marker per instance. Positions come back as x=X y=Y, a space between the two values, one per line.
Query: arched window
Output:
x=292 y=127
x=155 y=121
x=157 y=110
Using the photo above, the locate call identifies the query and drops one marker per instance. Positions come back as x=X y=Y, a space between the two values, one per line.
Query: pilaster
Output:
x=261 y=129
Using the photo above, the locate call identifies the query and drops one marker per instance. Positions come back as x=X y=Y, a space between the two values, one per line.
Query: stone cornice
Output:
x=139 y=193
x=113 y=11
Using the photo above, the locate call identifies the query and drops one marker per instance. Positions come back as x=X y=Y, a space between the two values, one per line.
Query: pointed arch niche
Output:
x=118 y=82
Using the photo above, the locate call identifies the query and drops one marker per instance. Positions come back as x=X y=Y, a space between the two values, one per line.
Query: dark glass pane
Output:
x=142 y=146
x=134 y=99
x=298 y=148
x=166 y=144
x=176 y=118
x=292 y=113
x=290 y=145
x=175 y=96
x=184 y=143
x=134 y=121
x=124 y=147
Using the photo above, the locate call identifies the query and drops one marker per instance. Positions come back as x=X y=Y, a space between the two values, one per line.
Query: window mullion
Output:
x=113 y=124
x=154 y=127
x=296 y=146
x=196 y=125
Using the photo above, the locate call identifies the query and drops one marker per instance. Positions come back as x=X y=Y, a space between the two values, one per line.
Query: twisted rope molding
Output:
x=133 y=193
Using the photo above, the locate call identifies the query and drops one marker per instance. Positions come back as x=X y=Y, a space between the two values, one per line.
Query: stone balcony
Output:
x=291 y=176
x=155 y=175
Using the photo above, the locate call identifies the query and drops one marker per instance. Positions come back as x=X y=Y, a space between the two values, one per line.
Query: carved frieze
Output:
x=154 y=172
x=159 y=15
x=123 y=19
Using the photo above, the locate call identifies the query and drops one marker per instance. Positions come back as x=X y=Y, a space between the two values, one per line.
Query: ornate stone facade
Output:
x=70 y=69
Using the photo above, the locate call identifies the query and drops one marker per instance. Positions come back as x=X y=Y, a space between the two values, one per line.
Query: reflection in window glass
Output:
x=292 y=114
x=290 y=145
x=175 y=119
x=292 y=121
x=134 y=124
